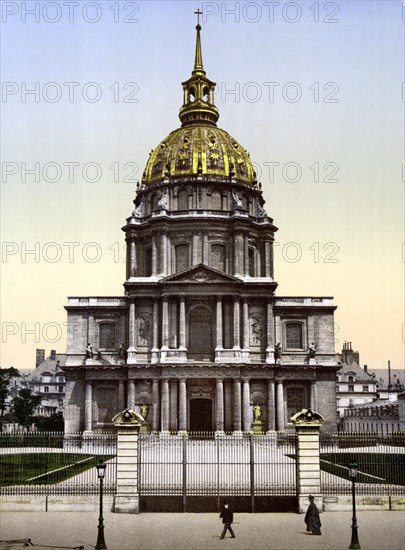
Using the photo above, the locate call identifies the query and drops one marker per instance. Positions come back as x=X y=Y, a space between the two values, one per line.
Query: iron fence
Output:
x=195 y=465
x=380 y=459
x=56 y=463
x=198 y=464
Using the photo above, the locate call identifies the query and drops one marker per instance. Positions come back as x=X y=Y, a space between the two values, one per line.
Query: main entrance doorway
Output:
x=200 y=415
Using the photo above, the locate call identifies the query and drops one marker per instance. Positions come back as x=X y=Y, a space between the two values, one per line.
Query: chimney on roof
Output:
x=39 y=357
x=53 y=355
x=365 y=368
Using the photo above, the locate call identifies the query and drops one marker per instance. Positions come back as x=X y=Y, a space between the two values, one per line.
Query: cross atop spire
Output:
x=198 y=98
x=198 y=13
x=198 y=63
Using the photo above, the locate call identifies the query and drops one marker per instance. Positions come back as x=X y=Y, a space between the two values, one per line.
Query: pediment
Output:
x=200 y=274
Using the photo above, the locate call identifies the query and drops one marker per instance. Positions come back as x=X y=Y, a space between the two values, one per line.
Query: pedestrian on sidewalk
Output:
x=312 y=517
x=227 y=520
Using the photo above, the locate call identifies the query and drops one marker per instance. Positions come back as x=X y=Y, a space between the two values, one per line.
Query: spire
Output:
x=198 y=91
x=198 y=63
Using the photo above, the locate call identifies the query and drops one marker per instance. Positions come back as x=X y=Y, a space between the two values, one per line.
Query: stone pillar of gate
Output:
x=126 y=499
x=307 y=425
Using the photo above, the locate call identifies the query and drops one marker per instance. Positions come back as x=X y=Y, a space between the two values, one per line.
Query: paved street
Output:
x=377 y=531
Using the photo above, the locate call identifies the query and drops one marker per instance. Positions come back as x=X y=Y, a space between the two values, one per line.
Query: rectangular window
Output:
x=60 y=389
x=293 y=335
x=107 y=335
x=365 y=388
x=351 y=387
x=46 y=389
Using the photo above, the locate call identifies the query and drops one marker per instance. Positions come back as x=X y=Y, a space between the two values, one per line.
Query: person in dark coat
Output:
x=227 y=520
x=312 y=517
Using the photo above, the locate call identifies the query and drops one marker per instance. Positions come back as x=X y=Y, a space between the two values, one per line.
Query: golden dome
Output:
x=199 y=150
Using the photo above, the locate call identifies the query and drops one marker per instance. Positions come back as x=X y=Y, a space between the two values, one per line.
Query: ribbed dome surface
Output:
x=199 y=150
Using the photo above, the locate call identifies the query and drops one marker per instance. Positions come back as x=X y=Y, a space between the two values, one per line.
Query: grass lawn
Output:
x=372 y=467
x=43 y=468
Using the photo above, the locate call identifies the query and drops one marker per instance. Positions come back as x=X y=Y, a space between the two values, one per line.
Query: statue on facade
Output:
x=122 y=352
x=89 y=351
x=257 y=413
x=163 y=203
x=144 y=411
x=312 y=350
x=277 y=351
x=237 y=203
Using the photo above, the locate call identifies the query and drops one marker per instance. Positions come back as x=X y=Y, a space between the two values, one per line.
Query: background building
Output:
x=354 y=385
x=200 y=336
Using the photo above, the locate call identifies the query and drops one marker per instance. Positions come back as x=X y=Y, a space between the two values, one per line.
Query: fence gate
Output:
x=193 y=473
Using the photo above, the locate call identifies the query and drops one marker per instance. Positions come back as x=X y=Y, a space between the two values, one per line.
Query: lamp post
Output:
x=101 y=466
x=354 y=545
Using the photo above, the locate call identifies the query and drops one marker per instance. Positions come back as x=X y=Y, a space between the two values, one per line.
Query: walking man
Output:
x=312 y=518
x=227 y=520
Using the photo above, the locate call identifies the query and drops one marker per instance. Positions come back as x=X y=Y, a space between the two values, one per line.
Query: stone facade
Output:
x=199 y=337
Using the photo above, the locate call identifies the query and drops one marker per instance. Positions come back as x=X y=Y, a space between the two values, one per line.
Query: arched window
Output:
x=294 y=337
x=182 y=199
x=107 y=335
x=182 y=257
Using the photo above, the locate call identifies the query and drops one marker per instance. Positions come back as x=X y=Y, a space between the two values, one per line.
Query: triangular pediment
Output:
x=200 y=274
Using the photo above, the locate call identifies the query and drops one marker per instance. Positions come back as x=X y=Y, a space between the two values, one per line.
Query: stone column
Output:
x=195 y=248
x=165 y=324
x=155 y=331
x=182 y=405
x=163 y=254
x=132 y=257
x=182 y=324
x=314 y=404
x=238 y=268
x=236 y=324
x=164 y=414
x=154 y=256
x=173 y=405
x=173 y=326
x=271 y=409
x=169 y=247
x=219 y=395
x=132 y=334
x=246 y=254
x=131 y=394
x=271 y=260
x=121 y=395
x=267 y=259
x=246 y=407
x=307 y=425
x=245 y=325
x=237 y=424
x=88 y=408
x=205 y=249
x=219 y=332
x=270 y=333
x=155 y=405
x=126 y=499
x=280 y=406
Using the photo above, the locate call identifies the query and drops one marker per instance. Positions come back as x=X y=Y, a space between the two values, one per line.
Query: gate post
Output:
x=307 y=424
x=127 y=423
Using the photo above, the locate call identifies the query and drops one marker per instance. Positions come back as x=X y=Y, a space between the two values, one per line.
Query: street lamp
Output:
x=354 y=545
x=101 y=466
